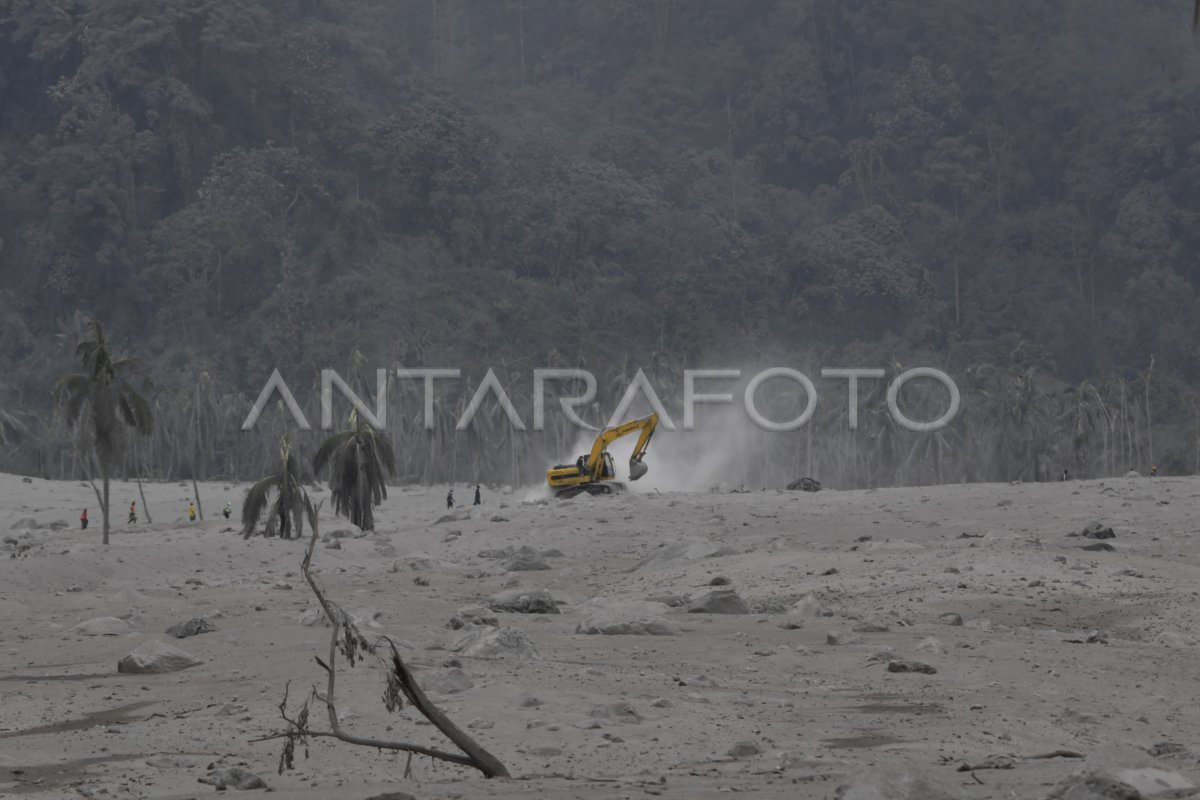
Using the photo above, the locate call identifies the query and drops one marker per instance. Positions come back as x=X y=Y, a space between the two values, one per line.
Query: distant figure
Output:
x=191 y=512
x=450 y=499
x=477 y=500
x=83 y=520
x=132 y=513
x=1066 y=476
x=1153 y=471
x=227 y=511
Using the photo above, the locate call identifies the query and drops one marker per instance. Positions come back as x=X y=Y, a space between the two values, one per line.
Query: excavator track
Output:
x=608 y=487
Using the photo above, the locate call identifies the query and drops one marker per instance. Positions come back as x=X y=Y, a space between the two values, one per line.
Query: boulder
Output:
x=1093 y=786
x=452 y=681
x=720 y=601
x=415 y=561
x=313 y=617
x=484 y=642
x=523 y=601
x=193 y=627
x=25 y=524
x=474 y=615
x=526 y=560
x=871 y=626
x=153 y=657
x=809 y=607
x=838 y=638
x=619 y=712
x=1097 y=531
x=892 y=783
x=805 y=485
x=233 y=778
x=744 y=749
x=617 y=617
x=103 y=626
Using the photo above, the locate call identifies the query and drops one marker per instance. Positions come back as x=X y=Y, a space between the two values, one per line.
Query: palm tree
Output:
x=357 y=460
x=285 y=515
x=112 y=403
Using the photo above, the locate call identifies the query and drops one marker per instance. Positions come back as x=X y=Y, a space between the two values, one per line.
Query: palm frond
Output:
x=327 y=449
x=255 y=503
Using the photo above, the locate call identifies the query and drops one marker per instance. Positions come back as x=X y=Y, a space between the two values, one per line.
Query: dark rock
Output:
x=1095 y=787
x=991 y=762
x=720 y=580
x=671 y=600
x=1097 y=531
x=234 y=778
x=1166 y=749
x=473 y=615
x=805 y=485
x=1099 y=547
x=721 y=601
x=838 y=638
x=744 y=750
x=830 y=571
x=193 y=627
x=901 y=665
x=523 y=601
x=392 y=796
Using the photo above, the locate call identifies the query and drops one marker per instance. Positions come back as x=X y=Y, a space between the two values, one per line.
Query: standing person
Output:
x=132 y=513
x=477 y=500
x=1066 y=476
x=83 y=520
x=450 y=499
x=1154 y=472
x=191 y=512
x=227 y=511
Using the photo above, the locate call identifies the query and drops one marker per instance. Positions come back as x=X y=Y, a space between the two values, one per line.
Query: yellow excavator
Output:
x=594 y=473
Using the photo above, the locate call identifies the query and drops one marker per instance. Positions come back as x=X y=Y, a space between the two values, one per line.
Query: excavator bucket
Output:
x=636 y=469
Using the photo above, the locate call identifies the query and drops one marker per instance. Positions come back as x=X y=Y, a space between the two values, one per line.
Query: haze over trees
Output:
x=1004 y=190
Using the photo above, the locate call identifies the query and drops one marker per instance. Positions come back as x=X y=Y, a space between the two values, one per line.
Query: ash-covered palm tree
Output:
x=112 y=406
x=281 y=496
x=357 y=459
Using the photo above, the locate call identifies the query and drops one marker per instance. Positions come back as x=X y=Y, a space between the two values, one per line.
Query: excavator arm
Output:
x=637 y=469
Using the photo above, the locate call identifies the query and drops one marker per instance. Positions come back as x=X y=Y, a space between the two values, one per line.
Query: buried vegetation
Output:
x=401 y=686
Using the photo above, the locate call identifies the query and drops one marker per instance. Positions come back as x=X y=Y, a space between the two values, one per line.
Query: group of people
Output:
x=133 y=518
x=450 y=497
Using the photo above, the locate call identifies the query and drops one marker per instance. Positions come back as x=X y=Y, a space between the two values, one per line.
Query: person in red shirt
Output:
x=83 y=520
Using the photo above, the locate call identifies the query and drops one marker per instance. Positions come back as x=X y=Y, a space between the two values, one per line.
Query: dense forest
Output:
x=1004 y=190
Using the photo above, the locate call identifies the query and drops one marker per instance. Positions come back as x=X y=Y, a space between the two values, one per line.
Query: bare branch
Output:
x=400 y=682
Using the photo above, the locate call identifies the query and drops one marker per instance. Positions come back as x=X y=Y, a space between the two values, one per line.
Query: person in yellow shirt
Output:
x=191 y=512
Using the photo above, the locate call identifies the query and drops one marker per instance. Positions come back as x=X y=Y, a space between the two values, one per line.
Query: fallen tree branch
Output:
x=401 y=685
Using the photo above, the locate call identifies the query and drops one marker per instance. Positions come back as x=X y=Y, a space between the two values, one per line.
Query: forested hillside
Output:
x=1006 y=190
